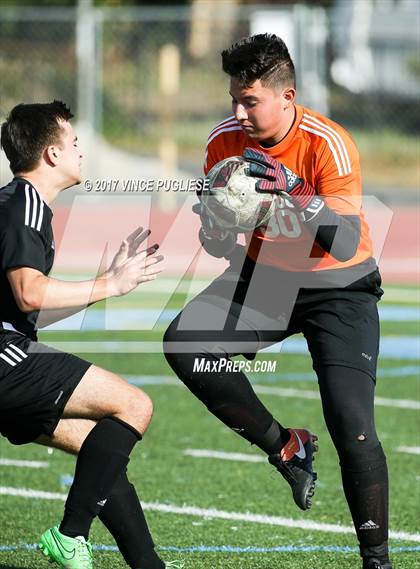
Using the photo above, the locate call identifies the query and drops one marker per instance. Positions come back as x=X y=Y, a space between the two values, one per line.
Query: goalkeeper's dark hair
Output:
x=29 y=129
x=264 y=57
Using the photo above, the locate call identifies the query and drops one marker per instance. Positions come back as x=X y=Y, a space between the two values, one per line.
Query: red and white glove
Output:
x=277 y=179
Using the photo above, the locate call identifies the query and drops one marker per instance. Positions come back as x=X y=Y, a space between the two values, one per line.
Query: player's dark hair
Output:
x=28 y=130
x=264 y=57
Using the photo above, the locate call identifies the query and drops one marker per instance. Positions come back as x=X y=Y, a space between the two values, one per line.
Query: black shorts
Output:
x=35 y=384
x=340 y=324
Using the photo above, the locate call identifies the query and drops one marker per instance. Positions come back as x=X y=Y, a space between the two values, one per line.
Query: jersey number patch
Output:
x=284 y=222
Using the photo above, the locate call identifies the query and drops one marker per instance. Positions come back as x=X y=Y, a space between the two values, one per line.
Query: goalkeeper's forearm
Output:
x=338 y=235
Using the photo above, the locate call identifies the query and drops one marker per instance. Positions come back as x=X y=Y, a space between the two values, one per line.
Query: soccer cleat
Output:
x=294 y=462
x=373 y=563
x=67 y=552
x=174 y=565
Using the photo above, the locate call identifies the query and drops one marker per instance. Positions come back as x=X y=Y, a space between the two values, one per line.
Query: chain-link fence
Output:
x=140 y=76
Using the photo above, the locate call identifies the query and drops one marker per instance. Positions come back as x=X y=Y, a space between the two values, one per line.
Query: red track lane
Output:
x=81 y=239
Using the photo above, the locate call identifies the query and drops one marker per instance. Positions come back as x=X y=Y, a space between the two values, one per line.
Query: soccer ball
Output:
x=230 y=197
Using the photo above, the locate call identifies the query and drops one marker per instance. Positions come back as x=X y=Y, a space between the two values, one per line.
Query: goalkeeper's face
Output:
x=265 y=113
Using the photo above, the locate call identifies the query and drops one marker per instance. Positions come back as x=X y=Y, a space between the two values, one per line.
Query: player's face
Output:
x=69 y=159
x=263 y=112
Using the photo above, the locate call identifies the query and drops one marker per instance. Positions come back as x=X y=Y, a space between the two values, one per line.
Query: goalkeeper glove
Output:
x=217 y=241
x=277 y=179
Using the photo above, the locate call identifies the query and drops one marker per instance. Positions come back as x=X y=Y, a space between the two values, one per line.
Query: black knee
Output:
x=348 y=404
x=176 y=345
x=183 y=362
x=357 y=444
x=185 y=349
x=360 y=458
x=169 y=340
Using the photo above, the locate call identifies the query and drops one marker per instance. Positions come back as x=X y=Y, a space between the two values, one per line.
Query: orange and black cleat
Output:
x=294 y=462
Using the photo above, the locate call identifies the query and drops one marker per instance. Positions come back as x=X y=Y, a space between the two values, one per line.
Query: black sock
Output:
x=348 y=403
x=102 y=457
x=269 y=435
x=123 y=516
x=275 y=438
x=367 y=496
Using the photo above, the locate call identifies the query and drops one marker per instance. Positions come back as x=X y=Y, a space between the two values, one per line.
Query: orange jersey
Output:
x=321 y=152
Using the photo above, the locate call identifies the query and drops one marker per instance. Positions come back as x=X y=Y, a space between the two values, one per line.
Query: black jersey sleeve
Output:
x=21 y=246
x=338 y=235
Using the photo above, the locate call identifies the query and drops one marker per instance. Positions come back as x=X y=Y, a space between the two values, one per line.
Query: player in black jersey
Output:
x=51 y=397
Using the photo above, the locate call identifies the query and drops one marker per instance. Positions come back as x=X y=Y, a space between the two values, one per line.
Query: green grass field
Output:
x=167 y=478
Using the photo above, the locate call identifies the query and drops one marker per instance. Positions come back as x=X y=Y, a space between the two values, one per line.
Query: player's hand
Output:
x=277 y=179
x=139 y=268
x=218 y=242
x=130 y=267
x=209 y=226
x=129 y=247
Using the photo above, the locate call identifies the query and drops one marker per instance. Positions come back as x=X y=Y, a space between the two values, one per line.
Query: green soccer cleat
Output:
x=174 y=565
x=67 y=552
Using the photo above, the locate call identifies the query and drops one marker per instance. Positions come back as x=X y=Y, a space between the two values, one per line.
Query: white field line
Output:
x=408 y=450
x=278 y=391
x=24 y=463
x=236 y=456
x=287 y=392
x=392 y=347
x=28 y=493
x=401 y=403
x=307 y=394
x=153 y=380
x=269 y=520
x=217 y=514
x=242 y=457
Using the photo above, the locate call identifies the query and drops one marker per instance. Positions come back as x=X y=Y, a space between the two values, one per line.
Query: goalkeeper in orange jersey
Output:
x=310 y=270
